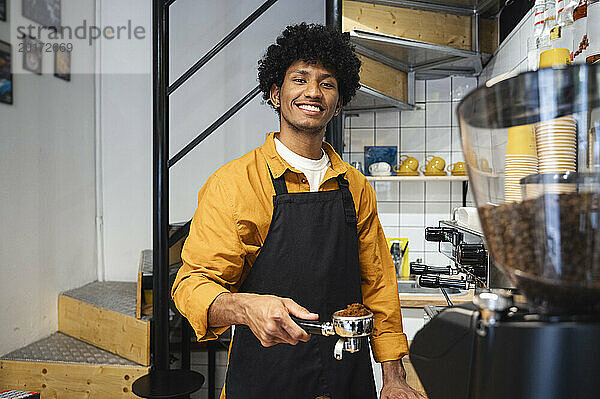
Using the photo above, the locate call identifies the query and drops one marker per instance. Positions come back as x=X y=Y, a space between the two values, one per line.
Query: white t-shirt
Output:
x=313 y=169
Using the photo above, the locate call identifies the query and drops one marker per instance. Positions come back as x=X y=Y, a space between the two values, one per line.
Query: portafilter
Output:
x=350 y=329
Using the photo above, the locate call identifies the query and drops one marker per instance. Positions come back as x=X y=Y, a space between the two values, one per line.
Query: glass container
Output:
x=540 y=208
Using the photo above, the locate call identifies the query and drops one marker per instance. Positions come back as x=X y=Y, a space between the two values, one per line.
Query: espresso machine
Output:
x=542 y=231
x=471 y=266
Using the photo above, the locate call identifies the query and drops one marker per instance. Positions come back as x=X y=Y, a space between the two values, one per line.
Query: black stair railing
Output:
x=222 y=119
x=215 y=50
x=179 y=233
x=162 y=382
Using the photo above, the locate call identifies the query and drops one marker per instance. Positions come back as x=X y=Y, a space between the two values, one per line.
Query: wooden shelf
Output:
x=427 y=60
x=417 y=178
x=368 y=99
x=487 y=8
x=399 y=41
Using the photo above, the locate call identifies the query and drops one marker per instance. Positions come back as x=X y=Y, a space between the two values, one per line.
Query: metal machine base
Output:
x=168 y=384
x=457 y=356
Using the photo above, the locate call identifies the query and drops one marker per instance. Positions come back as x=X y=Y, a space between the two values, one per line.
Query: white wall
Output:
x=511 y=55
x=406 y=208
x=47 y=192
x=126 y=117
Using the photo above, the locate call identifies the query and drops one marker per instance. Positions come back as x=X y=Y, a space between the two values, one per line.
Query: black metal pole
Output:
x=333 y=13
x=186 y=335
x=334 y=134
x=160 y=180
x=212 y=369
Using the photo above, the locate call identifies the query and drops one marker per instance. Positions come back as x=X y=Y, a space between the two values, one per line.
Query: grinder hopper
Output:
x=532 y=151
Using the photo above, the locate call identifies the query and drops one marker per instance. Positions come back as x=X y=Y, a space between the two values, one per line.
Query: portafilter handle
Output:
x=443 y=234
x=471 y=254
x=419 y=269
x=315 y=327
x=437 y=281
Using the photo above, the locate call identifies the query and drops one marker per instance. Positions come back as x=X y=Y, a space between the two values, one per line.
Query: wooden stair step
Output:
x=144 y=283
x=145 y=272
x=145 y=268
x=63 y=367
x=118 y=296
x=104 y=314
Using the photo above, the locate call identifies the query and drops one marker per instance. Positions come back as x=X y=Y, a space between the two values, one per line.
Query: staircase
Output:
x=103 y=340
x=100 y=347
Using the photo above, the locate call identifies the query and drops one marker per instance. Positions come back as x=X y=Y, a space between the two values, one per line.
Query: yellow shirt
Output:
x=230 y=225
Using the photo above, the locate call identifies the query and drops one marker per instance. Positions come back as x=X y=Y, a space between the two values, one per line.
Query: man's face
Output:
x=308 y=98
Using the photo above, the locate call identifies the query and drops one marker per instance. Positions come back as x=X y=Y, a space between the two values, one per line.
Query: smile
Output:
x=310 y=109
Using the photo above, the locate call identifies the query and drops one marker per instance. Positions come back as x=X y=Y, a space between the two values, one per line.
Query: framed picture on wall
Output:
x=2 y=10
x=62 y=65
x=44 y=12
x=6 y=79
x=32 y=55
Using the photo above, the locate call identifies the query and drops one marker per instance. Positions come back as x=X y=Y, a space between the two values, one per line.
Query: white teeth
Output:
x=309 y=107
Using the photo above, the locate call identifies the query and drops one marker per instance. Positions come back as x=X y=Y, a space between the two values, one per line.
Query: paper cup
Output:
x=521 y=140
x=517 y=158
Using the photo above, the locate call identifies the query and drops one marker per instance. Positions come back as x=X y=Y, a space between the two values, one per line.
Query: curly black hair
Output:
x=309 y=43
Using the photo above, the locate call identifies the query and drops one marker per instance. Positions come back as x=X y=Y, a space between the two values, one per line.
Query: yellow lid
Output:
x=555 y=56
x=521 y=140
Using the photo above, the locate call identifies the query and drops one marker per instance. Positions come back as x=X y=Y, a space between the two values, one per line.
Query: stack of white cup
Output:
x=556 y=143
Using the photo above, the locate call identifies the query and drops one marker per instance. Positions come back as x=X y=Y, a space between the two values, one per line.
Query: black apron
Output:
x=310 y=255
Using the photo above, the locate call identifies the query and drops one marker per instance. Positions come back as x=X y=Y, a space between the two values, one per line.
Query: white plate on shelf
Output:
x=380 y=174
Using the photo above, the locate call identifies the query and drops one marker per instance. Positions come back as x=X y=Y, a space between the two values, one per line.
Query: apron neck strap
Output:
x=279 y=183
x=349 y=210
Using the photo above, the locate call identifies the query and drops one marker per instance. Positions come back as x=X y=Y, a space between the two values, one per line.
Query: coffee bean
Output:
x=550 y=246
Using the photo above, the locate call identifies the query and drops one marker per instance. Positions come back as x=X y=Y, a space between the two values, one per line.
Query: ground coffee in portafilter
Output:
x=551 y=247
x=354 y=310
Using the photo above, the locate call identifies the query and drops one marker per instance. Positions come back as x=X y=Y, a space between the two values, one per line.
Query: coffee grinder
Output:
x=541 y=225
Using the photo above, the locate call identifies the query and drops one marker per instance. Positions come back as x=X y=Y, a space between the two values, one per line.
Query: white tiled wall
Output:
x=511 y=55
x=406 y=208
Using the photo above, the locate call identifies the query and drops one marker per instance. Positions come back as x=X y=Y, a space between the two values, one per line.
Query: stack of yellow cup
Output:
x=521 y=160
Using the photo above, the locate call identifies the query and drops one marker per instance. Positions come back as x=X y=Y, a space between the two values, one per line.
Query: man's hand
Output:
x=267 y=316
x=269 y=319
x=394 y=382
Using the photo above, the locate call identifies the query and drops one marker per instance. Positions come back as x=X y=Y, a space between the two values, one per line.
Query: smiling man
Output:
x=289 y=229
